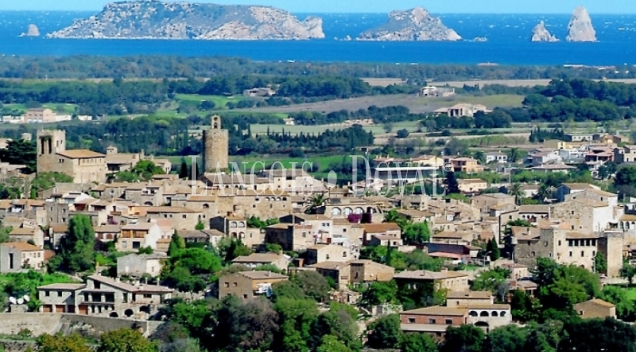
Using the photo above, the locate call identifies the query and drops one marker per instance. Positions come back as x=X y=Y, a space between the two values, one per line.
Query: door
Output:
x=59 y=309
x=47 y=309
x=83 y=309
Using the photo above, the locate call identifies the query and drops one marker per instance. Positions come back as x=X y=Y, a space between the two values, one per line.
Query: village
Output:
x=291 y=223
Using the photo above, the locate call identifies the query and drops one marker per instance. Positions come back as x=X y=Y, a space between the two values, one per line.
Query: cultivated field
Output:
x=414 y=103
x=513 y=82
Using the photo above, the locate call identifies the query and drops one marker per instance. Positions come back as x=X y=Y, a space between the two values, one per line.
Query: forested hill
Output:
x=159 y=67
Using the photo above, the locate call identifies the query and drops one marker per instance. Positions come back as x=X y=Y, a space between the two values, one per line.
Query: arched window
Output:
x=484 y=314
x=206 y=206
x=502 y=314
x=336 y=211
x=494 y=314
x=473 y=313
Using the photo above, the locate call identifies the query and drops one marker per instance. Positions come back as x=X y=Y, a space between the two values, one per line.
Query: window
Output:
x=235 y=284
x=449 y=321
x=59 y=293
x=327 y=257
x=570 y=253
x=47 y=293
x=431 y=321
x=344 y=254
x=227 y=285
x=559 y=242
x=411 y=320
x=245 y=296
x=184 y=216
x=582 y=253
x=147 y=295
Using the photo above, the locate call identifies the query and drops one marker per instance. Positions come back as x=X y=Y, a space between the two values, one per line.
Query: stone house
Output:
x=321 y=225
x=486 y=202
x=183 y=218
x=136 y=236
x=254 y=260
x=339 y=272
x=365 y=271
x=466 y=165
x=84 y=166
x=26 y=234
x=432 y=319
x=327 y=253
x=107 y=233
x=103 y=296
x=382 y=229
x=290 y=236
x=446 y=280
x=138 y=265
x=472 y=186
x=15 y=256
x=40 y=115
x=454 y=237
x=248 y=203
x=469 y=298
x=626 y=154
x=595 y=309
x=571 y=188
x=247 y=285
x=202 y=236
x=586 y=215
x=534 y=213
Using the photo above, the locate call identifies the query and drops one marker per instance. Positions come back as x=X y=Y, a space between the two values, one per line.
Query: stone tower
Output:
x=611 y=245
x=49 y=143
x=216 y=143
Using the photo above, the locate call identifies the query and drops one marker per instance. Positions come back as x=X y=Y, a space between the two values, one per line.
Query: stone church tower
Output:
x=49 y=143
x=216 y=143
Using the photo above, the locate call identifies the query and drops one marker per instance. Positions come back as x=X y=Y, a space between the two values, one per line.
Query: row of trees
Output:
x=552 y=335
x=160 y=66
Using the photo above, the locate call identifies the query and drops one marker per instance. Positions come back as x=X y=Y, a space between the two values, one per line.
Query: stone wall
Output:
x=51 y=323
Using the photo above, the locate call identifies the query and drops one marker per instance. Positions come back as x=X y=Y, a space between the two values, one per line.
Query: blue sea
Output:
x=508 y=42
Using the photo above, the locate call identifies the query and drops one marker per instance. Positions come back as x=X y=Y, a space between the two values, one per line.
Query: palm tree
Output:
x=316 y=201
x=514 y=155
x=517 y=192
x=480 y=156
x=545 y=192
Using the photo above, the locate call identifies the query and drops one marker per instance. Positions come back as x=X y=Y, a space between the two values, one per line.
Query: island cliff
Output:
x=182 y=20
x=32 y=31
x=541 y=34
x=580 y=28
x=412 y=25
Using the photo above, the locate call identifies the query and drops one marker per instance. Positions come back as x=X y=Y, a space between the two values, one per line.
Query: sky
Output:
x=370 y=6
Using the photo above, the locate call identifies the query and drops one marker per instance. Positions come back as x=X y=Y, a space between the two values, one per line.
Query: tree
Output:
x=480 y=156
x=467 y=338
x=619 y=296
x=510 y=338
x=544 y=193
x=514 y=155
x=387 y=127
x=385 y=332
x=183 y=170
x=403 y=133
x=244 y=326
x=599 y=335
x=380 y=293
x=493 y=247
x=417 y=342
x=452 y=186
x=600 y=263
x=490 y=280
x=417 y=233
x=313 y=284
x=330 y=343
x=628 y=272
x=176 y=244
x=296 y=319
x=199 y=226
x=62 y=343
x=77 y=248
x=125 y=340
x=20 y=152
x=341 y=322
x=516 y=191
x=626 y=176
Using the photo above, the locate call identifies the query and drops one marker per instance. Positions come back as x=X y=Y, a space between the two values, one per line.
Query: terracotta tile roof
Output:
x=260 y=275
x=22 y=246
x=264 y=258
x=437 y=310
x=469 y=294
x=429 y=275
x=80 y=154
x=383 y=227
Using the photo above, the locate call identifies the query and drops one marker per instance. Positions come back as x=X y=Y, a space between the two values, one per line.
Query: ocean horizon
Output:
x=508 y=42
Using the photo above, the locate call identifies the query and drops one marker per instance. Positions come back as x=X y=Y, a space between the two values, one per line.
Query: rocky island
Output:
x=541 y=34
x=32 y=31
x=412 y=25
x=182 y=20
x=580 y=28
